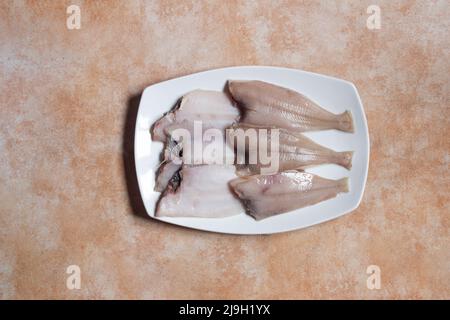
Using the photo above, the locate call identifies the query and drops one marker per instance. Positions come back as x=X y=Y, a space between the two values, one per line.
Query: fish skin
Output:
x=267 y=104
x=203 y=192
x=296 y=151
x=264 y=196
x=214 y=109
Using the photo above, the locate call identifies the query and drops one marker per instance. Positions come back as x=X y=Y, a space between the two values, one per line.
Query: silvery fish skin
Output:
x=213 y=108
x=264 y=196
x=200 y=191
x=271 y=105
x=293 y=150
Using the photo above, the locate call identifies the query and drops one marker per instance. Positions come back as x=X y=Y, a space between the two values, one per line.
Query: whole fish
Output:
x=271 y=105
x=290 y=150
x=264 y=196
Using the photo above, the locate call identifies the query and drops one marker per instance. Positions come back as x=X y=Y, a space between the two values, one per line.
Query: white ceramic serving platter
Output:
x=332 y=94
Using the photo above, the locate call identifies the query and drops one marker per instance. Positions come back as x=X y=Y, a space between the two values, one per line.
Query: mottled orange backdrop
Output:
x=68 y=193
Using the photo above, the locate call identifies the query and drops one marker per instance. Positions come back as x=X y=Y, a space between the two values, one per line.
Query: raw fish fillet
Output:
x=201 y=191
x=266 y=195
x=270 y=105
x=213 y=108
x=293 y=150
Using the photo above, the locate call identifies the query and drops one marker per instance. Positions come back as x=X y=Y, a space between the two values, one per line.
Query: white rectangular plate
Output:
x=332 y=94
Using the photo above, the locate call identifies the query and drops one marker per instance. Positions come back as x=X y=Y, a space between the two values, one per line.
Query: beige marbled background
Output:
x=67 y=188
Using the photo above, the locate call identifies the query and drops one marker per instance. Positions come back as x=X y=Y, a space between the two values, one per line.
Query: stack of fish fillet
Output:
x=218 y=185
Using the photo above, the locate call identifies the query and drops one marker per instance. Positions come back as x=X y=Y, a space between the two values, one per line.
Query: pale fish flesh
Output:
x=214 y=109
x=200 y=191
x=175 y=155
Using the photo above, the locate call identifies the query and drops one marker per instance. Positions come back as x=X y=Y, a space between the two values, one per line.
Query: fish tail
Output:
x=345 y=159
x=343 y=185
x=345 y=122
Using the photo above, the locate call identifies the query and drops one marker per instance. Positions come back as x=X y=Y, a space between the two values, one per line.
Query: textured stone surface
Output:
x=68 y=194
